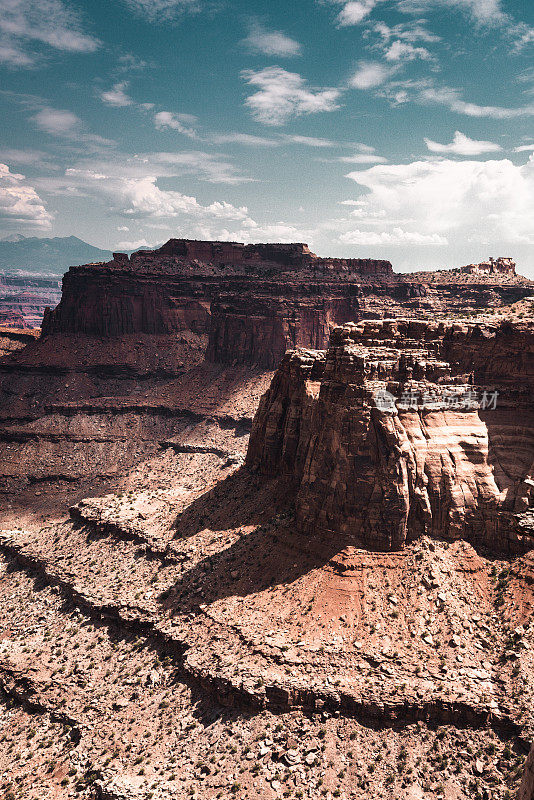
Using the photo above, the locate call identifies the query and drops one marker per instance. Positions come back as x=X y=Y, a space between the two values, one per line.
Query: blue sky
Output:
x=398 y=129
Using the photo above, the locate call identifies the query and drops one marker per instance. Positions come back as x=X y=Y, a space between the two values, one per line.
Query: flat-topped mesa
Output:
x=292 y=255
x=235 y=303
x=498 y=266
x=394 y=433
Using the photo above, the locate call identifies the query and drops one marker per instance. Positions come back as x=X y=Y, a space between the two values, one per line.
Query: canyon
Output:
x=268 y=530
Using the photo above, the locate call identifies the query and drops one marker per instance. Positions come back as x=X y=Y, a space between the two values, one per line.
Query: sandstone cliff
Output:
x=526 y=791
x=252 y=302
x=405 y=428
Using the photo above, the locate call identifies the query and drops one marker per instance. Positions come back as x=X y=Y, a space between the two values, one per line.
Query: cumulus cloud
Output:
x=404 y=51
x=282 y=95
x=355 y=12
x=130 y=189
x=49 y=22
x=116 y=96
x=370 y=74
x=483 y=201
x=462 y=145
x=271 y=43
x=19 y=202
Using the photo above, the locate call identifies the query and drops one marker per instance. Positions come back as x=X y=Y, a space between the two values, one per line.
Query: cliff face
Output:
x=526 y=792
x=253 y=302
x=406 y=428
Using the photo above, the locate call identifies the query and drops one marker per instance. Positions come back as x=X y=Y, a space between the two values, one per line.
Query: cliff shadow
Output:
x=243 y=498
x=273 y=553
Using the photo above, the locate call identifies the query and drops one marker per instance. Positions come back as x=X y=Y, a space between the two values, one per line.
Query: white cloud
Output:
x=452 y=99
x=424 y=92
x=465 y=201
x=22 y=156
x=204 y=166
x=309 y=141
x=138 y=244
x=57 y=121
x=355 y=12
x=117 y=96
x=164 y=10
x=524 y=148
x=19 y=202
x=370 y=74
x=283 y=94
x=397 y=236
x=404 y=51
x=49 y=22
x=139 y=195
x=363 y=158
x=271 y=43
x=462 y=145
x=483 y=11
x=13 y=56
x=176 y=122
x=66 y=125
x=246 y=139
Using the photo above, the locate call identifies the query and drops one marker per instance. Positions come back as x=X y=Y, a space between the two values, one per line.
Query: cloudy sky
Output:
x=399 y=129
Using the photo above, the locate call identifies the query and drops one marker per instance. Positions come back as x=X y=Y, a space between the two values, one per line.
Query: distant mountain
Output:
x=56 y=255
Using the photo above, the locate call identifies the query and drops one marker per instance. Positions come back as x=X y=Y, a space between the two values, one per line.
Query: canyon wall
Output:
x=406 y=428
x=242 y=304
x=526 y=792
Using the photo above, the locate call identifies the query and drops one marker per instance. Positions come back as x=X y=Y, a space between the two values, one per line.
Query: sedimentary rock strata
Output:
x=526 y=791
x=407 y=428
x=23 y=300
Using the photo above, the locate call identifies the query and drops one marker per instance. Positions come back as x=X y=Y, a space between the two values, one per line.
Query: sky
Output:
x=399 y=129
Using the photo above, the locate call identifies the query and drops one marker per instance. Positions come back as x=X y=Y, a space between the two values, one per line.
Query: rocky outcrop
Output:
x=494 y=266
x=526 y=792
x=406 y=428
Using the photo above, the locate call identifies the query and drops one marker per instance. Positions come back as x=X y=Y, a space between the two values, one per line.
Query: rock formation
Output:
x=526 y=792
x=494 y=266
x=406 y=428
x=178 y=623
x=23 y=300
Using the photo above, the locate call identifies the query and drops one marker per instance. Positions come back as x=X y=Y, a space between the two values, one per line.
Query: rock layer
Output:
x=526 y=791
x=406 y=428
